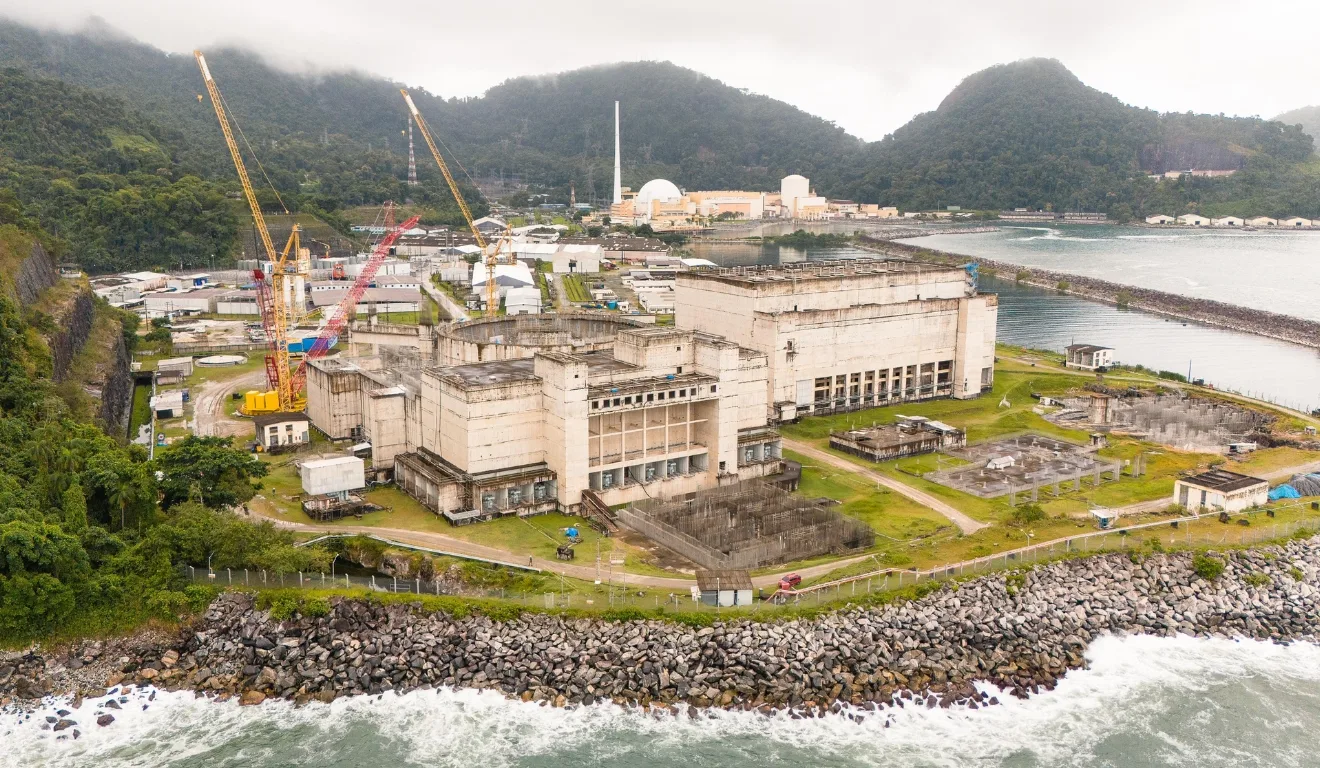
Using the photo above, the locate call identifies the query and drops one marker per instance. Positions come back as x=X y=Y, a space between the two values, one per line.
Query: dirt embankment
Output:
x=1217 y=313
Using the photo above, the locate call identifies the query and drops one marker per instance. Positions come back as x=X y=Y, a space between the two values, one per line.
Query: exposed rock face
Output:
x=117 y=393
x=1188 y=154
x=1021 y=632
x=35 y=275
x=74 y=326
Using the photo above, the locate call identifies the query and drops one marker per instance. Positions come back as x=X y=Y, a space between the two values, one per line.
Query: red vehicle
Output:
x=790 y=582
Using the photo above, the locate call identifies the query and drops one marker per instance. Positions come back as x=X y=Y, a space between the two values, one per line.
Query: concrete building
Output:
x=734 y=204
x=1087 y=356
x=563 y=257
x=623 y=248
x=792 y=188
x=515 y=275
x=1262 y=221
x=1160 y=218
x=276 y=430
x=1193 y=220
x=875 y=211
x=237 y=302
x=188 y=281
x=844 y=335
x=181 y=367
x=168 y=405
x=1296 y=221
x=909 y=436
x=1226 y=221
x=664 y=412
x=1220 y=491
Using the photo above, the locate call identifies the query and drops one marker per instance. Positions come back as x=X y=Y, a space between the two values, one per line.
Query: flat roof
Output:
x=812 y=270
x=266 y=419
x=331 y=461
x=490 y=373
x=709 y=581
x=1223 y=480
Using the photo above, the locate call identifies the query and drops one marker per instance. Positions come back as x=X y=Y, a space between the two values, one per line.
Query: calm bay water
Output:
x=1285 y=373
x=1143 y=701
x=1278 y=271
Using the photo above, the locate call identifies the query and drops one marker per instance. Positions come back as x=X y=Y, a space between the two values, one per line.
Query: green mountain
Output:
x=314 y=132
x=1307 y=117
x=1030 y=134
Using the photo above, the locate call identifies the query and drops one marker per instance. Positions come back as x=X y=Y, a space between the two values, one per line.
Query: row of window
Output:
x=869 y=382
x=651 y=397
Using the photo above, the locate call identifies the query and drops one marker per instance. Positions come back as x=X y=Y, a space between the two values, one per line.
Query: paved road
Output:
x=960 y=519
x=209 y=417
x=456 y=313
x=443 y=543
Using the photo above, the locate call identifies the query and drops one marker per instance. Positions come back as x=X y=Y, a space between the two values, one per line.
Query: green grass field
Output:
x=577 y=292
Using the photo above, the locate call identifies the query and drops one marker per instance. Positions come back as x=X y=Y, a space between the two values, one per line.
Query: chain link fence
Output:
x=1181 y=533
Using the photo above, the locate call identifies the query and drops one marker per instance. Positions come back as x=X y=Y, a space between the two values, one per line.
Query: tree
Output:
x=75 y=509
x=224 y=473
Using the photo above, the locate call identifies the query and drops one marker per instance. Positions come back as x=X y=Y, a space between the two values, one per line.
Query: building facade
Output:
x=844 y=335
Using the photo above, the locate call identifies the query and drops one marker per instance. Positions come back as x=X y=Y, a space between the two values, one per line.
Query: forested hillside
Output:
x=103 y=179
x=1307 y=117
x=1030 y=134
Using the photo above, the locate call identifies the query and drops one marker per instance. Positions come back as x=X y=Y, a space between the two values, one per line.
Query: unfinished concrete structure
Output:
x=521 y=336
x=745 y=526
x=663 y=412
x=842 y=335
x=1186 y=423
x=1025 y=464
x=909 y=436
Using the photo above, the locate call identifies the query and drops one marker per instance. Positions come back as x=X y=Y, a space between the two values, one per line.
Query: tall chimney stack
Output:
x=618 y=173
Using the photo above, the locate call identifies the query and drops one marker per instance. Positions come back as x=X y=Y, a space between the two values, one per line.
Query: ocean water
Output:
x=1143 y=701
x=1278 y=271
x=1288 y=374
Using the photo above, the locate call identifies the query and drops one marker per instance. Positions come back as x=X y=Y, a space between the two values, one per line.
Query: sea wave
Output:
x=1143 y=700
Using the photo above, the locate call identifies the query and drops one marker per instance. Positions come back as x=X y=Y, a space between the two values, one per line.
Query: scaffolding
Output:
x=746 y=525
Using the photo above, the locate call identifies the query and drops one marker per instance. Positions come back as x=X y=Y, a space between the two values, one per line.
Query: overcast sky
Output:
x=868 y=65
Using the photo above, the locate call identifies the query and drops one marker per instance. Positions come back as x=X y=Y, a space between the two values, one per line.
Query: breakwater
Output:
x=1020 y=631
x=1206 y=311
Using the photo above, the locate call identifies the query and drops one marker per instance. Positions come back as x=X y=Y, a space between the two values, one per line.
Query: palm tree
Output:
x=122 y=494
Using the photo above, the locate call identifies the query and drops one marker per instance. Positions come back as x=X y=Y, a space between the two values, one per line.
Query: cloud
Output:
x=867 y=66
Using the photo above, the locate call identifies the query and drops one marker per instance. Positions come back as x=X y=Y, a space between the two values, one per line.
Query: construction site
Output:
x=745 y=526
x=519 y=336
x=1025 y=463
x=1185 y=423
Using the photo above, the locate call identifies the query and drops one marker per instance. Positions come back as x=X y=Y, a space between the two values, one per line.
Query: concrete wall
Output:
x=488 y=428
x=564 y=427
x=334 y=398
x=385 y=425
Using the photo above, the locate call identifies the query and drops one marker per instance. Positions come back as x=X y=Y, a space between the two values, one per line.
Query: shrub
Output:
x=1207 y=567
x=1257 y=579
x=1027 y=514
x=1063 y=286
x=1123 y=299
x=1296 y=573
x=1023 y=275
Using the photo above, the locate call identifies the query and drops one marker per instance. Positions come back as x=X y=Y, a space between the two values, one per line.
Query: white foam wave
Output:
x=1135 y=687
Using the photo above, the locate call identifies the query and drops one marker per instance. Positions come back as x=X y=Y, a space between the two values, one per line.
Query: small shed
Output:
x=1220 y=490
x=276 y=430
x=725 y=588
x=184 y=365
x=168 y=405
x=1000 y=462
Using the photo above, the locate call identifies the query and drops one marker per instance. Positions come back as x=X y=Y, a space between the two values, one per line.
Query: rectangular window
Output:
x=682 y=393
x=712 y=388
x=627 y=400
x=595 y=404
x=650 y=397
x=616 y=401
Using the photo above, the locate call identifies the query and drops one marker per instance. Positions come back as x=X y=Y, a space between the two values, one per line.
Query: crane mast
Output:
x=491 y=256
x=274 y=308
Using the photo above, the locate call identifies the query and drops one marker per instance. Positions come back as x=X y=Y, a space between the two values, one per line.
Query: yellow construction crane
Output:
x=491 y=255
x=274 y=304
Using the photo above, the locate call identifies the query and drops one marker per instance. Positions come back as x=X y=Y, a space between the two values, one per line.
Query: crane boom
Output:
x=277 y=321
x=491 y=258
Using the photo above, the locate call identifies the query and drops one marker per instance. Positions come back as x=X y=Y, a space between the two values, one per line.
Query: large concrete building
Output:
x=528 y=414
x=849 y=334
x=664 y=412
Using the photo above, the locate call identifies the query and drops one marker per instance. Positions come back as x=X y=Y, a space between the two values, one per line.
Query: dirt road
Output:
x=451 y=307
x=209 y=417
x=964 y=523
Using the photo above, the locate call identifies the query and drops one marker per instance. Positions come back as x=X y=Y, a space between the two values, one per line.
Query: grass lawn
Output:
x=577 y=292
x=892 y=515
x=141 y=409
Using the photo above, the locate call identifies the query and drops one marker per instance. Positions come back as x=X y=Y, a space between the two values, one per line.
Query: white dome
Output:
x=658 y=189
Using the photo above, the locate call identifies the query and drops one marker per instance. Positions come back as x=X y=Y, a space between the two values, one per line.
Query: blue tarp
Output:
x=1284 y=492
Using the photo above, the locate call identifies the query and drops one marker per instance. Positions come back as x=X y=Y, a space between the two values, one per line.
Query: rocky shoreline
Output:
x=1020 y=632
x=1206 y=311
